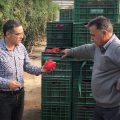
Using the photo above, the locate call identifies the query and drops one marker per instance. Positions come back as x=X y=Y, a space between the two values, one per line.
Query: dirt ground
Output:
x=32 y=94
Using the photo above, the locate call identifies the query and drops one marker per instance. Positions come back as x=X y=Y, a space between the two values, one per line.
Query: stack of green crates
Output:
x=82 y=101
x=88 y=9
x=85 y=10
x=57 y=90
x=57 y=85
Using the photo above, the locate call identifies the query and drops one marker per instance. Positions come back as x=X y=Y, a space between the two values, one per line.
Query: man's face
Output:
x=97 y=36
x=16 y=35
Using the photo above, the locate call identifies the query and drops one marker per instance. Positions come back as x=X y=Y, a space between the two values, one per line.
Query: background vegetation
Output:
x=33 y=14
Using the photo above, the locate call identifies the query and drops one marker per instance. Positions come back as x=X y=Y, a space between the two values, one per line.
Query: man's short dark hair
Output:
x=9 y=25
x=101 y=22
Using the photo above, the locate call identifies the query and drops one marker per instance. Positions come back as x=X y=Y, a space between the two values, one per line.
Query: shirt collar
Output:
x=4 y=45
x=105 y=46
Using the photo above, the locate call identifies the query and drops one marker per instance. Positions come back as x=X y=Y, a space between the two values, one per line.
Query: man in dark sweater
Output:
x=105 y=52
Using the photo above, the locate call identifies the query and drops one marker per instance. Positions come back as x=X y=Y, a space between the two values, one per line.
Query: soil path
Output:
x=32 y=93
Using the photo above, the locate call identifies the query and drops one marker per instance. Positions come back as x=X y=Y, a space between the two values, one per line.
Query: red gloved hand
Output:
x=49 y=65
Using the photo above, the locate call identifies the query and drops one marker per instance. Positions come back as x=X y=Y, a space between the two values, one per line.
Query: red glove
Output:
x=49 y=65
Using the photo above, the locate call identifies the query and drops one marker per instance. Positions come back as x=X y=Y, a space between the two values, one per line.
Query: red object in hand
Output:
x=49 y=65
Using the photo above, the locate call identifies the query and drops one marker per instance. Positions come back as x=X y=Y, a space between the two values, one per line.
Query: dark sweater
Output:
x=106 y=71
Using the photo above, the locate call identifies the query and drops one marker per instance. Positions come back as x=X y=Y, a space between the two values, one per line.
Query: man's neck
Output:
x=9 y=46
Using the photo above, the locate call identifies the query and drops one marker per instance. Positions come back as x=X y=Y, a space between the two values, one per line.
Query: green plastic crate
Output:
x=66 y=14
x=63 y=70
x=56 y=112
x=57 y=57
x=83 y=97
x=59 y=34
x=82 y=70
x=82 y=113
x=56 y=90
x=81 y=35
x=116 y=29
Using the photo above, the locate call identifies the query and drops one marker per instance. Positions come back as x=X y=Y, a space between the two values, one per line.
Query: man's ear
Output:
x=104 y=32
x=7 y=33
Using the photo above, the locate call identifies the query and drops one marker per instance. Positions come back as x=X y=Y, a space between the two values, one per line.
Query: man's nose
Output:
x=21 y=36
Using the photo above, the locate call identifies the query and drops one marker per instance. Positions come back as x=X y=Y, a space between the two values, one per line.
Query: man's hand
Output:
x=43 y=70
x=14 y=84
x=65 y=53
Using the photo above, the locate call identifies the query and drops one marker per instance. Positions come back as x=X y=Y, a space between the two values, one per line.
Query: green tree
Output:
x=43 y=11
